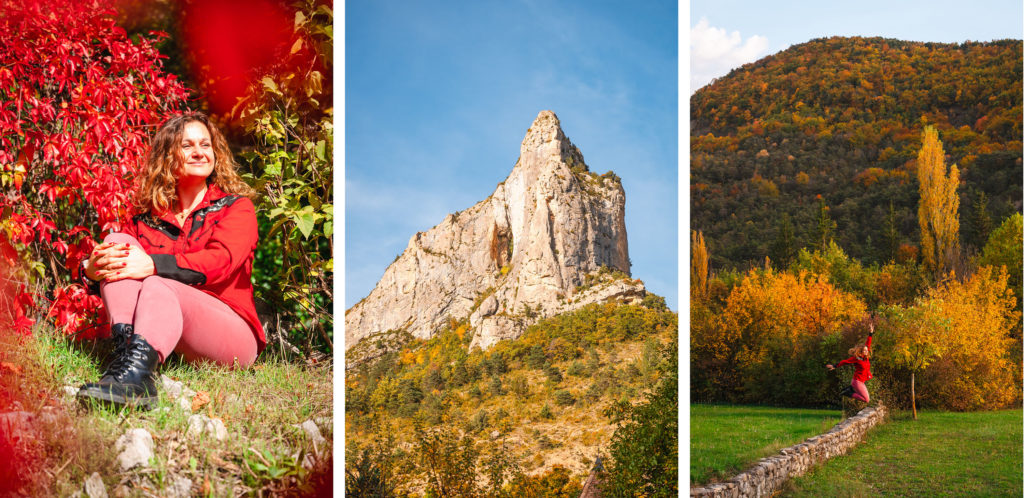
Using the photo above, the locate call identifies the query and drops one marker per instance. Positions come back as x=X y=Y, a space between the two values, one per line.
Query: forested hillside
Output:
x=821 y=140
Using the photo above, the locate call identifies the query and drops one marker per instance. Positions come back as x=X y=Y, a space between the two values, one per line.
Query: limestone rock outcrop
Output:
x=549 y=239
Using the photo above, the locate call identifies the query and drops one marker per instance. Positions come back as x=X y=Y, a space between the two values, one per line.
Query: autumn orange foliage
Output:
x=773 y=335
x=979 y=370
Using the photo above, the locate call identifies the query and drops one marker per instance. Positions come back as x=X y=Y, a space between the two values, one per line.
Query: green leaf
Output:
x=300 y=19
x=314 y=200
x=321 y=148
x=305 y=220
x=273 y=169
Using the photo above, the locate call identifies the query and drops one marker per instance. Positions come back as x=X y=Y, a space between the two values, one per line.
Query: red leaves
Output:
x=77 y=97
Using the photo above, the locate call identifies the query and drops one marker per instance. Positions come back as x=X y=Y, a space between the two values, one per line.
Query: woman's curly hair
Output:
x=157 y=183
x=855 y=351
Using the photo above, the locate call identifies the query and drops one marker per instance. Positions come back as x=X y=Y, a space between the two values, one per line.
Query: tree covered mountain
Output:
x=820 y=141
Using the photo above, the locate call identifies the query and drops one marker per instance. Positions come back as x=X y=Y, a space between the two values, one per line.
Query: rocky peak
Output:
x=549 y=239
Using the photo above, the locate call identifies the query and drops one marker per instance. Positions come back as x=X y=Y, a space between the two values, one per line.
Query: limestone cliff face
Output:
x=521 y=254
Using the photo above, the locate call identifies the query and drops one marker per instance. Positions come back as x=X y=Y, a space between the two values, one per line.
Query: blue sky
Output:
x=725 y=34
x=438 y=97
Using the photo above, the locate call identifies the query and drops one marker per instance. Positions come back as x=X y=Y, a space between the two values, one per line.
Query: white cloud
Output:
x=714 y=52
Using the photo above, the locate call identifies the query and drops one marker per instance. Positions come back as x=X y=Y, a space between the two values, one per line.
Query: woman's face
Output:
x=863 y=351
x=196 y=149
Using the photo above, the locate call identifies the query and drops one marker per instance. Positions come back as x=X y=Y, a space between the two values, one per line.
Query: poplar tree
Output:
x=937 y=212
x=698 y=264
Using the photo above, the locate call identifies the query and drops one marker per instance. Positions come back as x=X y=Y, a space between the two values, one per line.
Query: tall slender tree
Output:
x=981 y=221
x=824 y=227
x=784 y=248
x=892 y=233
x=937 y=212
x=698 y=265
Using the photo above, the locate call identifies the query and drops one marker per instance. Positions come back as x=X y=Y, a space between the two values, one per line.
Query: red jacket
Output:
x=862 y=368
x=213 y=251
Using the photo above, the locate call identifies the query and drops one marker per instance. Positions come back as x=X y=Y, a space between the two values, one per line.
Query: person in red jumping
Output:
x=860 y=358
x=178 y=278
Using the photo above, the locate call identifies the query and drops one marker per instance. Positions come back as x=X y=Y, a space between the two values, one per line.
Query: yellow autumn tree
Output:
x=937 y=212
x=977 y=370
x=913 y=338
x=698 y=265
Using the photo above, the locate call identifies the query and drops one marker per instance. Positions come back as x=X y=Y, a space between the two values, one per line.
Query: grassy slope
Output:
x=940 y=454
x=259 y=407
x=724 y=439
x=620 y=347
x=572 y=438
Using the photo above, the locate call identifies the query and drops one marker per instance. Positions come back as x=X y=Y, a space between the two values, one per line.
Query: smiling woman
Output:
x=181 y=269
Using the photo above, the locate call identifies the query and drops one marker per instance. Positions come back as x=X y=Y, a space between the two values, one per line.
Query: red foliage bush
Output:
x=77 y=99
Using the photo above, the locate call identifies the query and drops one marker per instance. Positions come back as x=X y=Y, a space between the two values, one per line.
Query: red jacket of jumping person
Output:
x=212 y=251
x=862 y=368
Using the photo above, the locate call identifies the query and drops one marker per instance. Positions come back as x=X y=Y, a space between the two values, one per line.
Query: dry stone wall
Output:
x=770 y=473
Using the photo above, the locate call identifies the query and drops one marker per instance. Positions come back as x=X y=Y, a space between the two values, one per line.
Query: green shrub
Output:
x=289 y=113
x=545 y=412
x=554 y=375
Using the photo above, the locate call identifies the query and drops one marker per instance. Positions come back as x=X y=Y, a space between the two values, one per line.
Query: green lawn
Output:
x=940 y=454
x=724 y=439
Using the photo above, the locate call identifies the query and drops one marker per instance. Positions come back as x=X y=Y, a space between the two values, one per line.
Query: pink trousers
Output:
x=860 y=391
x=173 y=316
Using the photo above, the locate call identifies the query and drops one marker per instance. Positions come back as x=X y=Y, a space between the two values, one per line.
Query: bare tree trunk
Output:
x=913 y=398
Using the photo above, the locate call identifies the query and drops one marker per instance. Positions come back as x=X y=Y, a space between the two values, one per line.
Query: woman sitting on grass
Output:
x=178 y=278
x=860 y=358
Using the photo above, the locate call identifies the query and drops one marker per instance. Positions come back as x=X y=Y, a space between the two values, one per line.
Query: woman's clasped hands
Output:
x=112 y=262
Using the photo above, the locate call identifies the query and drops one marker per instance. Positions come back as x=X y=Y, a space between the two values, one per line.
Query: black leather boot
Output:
x=120 y=334
x=847 y=392
x=129 y=380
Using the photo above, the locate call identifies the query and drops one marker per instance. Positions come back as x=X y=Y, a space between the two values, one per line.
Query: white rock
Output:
x=201 y=424
x=185 y=404
x=172 y=388
x=94 y=486
x=530 y=245
x=134 y=447
x=311 y=430
x=70 y=390
x=181 y=487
